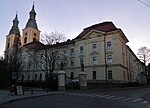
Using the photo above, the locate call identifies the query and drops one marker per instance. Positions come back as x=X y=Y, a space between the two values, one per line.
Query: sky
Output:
x=72 y=16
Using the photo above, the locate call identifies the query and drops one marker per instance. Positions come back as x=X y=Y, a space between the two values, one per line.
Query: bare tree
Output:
x=53 y=38
x=49 y=57
x=144 y=54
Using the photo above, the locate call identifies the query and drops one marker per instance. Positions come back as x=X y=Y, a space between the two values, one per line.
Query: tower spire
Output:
x=15 y=29
x=32 y=21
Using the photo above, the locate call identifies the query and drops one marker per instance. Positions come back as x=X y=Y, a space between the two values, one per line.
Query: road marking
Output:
x=136 y=100
x=93 y=95
x=127 y=99
x=117 y=98
x=103 y=96
x=110 y=97
x=145 y=102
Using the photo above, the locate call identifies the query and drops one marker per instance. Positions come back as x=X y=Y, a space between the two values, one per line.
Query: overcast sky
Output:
x=72 y=16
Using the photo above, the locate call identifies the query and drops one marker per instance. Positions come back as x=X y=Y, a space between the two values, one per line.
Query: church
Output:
x=102 y=48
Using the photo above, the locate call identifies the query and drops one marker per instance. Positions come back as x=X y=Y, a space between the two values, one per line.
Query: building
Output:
x=102 y=48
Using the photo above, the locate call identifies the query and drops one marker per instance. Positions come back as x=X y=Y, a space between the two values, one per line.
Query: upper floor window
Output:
x=34 y=34
x=72 y=50
x=94 y=47
x=109 y=45
x=81 y=49
x=25 y=40
x=81 y=61
x=94 y=60
x=8 y=45
x=26 y=34
x=72 y=63
x=34 y=39
x=109 y=58
x=65 y=52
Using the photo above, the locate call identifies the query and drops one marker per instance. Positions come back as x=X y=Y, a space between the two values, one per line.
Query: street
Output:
x=127 y=98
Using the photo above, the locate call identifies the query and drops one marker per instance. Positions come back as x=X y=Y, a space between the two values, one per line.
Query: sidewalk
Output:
x=6 y=97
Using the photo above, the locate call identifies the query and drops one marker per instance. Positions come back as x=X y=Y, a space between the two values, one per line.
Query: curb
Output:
x=28 y=97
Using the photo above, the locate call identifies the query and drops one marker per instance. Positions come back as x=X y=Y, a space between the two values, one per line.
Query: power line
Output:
x=143 y=3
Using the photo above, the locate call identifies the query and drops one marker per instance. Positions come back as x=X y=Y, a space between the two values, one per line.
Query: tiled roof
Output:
x=68 y=42
x=104 y=27
x=34 y=45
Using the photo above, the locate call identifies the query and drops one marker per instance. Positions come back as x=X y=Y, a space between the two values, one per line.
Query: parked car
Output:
x=74 y=84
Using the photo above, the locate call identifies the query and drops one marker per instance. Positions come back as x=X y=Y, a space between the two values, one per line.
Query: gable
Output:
x=93 y=34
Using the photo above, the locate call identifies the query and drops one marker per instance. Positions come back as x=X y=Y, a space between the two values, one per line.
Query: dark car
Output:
x=74 y=84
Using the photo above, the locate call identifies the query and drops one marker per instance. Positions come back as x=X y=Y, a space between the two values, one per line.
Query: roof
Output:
x=68 y=42
x=34 y=45
x=31 y=21
x=104 y=27
x=15 y=28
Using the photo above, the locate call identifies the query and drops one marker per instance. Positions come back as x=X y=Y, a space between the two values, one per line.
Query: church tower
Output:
x=12 y=39
x=31 y=32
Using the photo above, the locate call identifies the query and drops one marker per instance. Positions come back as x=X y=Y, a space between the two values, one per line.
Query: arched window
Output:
x=25 y=40
x=34 y=39
x=34 y=34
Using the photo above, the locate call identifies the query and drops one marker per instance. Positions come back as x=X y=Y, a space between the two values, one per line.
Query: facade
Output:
x=102 y=48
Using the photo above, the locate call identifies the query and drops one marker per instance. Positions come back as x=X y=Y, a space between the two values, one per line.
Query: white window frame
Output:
x=81 y=49
x=109 y=58
x=109 y=45
x=94 y=47
x=94 y=60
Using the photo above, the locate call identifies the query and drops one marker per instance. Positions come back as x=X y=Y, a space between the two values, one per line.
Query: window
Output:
x=65 y=52
x=22 y=78
x=94 y=60
x=35 y=76
x=25 y=40
x=110 y=74
x=34 y=34
x=81 y=49
x=40 y=76
x=71 y=75
x=8 y=45
x=109 y=46
x=34 y=39
x=109 y=59
x=94 y=47
x=72 y=50
x=28 y=76
x=94 y=74
x=26 y=34
x=81 y=60
x=72 y=63
x=29 y=65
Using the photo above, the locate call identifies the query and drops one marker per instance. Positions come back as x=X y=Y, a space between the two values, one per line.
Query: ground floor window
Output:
x=71 y=75
x=28 y=76
x=110 y=74
x=94 y=74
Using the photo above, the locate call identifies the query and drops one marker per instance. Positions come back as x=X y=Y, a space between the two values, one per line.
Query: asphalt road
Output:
x=132 y=98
